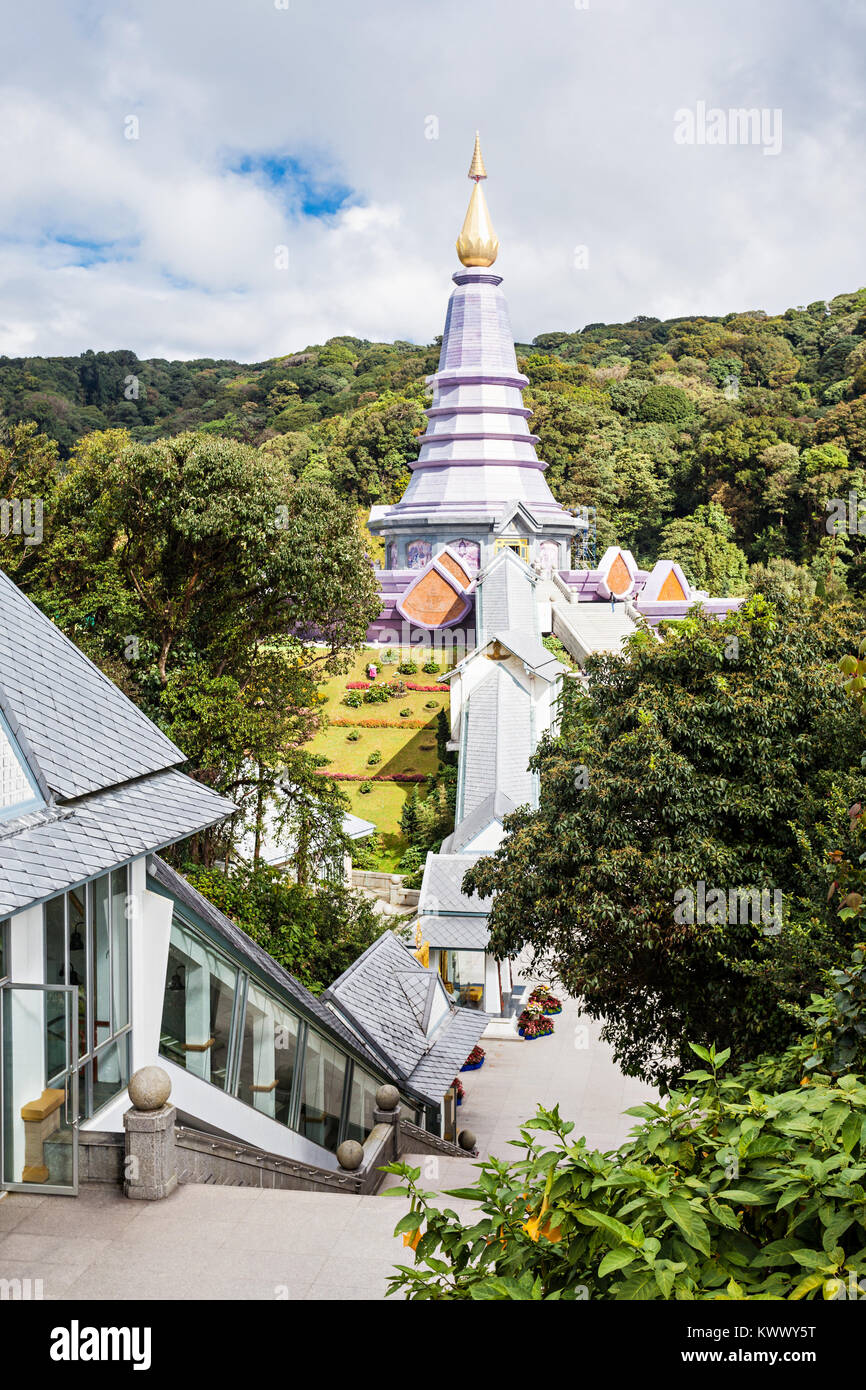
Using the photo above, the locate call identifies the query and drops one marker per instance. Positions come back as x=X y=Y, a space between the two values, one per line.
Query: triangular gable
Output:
x=616 y=573
x=517 y=512
x=439 y=595
x=666 y=584
x=20 y=792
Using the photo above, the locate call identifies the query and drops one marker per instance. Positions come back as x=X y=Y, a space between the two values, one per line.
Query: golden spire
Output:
x=477 y=243
x=476 y=168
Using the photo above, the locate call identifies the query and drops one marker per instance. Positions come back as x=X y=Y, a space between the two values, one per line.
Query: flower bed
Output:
x=407 y=685
x=475 y=1059
x=379 y=776
x=542 y=999
x=380 y=723
x=532 y=1023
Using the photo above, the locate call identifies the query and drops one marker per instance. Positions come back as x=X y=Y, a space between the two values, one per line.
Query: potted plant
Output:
x=475 y=1059
x=532 y=1023
x=547 y=1002
x=459 y=1092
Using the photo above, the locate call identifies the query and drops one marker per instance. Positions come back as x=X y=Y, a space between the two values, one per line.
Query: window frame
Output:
x=87 y=1058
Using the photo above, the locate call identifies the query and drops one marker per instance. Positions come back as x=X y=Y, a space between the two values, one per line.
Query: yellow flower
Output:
x=412 y=1240
x=532 y=1227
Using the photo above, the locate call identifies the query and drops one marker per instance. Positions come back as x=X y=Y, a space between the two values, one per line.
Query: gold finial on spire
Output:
x=476 y=169
x=477 y=243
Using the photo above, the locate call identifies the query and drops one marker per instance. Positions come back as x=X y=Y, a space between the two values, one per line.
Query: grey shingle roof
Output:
x=497 y=742
x=387 y=994
x=532 y=652
x=179 y=888
x=84 y=733
x=493 y=808
x=435 y=1072
x=505 y=597
x=56 y=848
x=451 y=932
x=441 y=890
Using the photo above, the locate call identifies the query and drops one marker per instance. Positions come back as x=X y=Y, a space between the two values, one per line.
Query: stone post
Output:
x=150 y=1169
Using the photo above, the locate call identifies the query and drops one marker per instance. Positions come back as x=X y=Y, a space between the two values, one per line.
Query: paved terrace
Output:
x=248 y=1243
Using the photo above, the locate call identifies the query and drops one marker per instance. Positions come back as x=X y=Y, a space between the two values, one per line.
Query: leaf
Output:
x=607 y=1223
x=410 y=1222
x=692 y=1225
x=616 y=1259
x=812 y=1281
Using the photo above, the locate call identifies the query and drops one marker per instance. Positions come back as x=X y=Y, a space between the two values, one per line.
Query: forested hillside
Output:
x=716 y=441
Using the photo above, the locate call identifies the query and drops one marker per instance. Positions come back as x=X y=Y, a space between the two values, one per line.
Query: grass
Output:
x=403 y=749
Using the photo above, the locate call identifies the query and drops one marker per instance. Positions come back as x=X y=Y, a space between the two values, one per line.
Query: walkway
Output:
x=247 y=1243
x=586 y=628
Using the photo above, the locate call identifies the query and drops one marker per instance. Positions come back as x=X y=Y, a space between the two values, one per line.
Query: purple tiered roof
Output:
x=477 y=456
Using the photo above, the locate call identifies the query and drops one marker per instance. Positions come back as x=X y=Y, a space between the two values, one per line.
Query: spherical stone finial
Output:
x=350 y=1154
x=387 y=1098
x=466 y=1140
x=149 y=1088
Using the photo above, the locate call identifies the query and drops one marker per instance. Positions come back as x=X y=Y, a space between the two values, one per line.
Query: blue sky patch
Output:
x=303 y=189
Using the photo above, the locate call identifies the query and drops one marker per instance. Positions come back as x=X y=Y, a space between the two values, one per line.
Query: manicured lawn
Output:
x=403 y=748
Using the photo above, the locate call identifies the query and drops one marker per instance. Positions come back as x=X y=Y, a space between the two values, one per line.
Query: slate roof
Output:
x=441 y=891
x=496 y=743
x=51 y=850
x=83 y=732
x=505 y=598
x=532 y=652
x=493 y=808
x=387 y=994
x=176 y=886
x=455 y=933
x=108 y=776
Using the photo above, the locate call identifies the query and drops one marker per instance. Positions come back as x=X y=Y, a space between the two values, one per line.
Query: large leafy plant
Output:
x=724 y=1191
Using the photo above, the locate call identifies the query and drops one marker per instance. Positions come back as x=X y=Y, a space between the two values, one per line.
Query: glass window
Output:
x=101 y=963
x=197 y=1010
x=269 y=1050
x=322 y=1092
x=362 y=1103
x=77 y=957
x=4 y=949
x=438 y=1007
x=120 y=948
x=110 y=1071
x=18 y=790
x=463 y=977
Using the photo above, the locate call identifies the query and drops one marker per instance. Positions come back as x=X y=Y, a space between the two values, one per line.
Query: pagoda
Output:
x=478 y=485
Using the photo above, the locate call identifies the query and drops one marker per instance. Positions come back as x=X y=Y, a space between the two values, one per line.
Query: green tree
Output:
x=727 y=755
x=701 y=544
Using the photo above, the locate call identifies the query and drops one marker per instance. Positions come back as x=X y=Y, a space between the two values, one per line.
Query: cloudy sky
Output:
x=240 y=178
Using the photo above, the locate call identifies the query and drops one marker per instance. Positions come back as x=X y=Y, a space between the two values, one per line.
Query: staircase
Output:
x=587 y=628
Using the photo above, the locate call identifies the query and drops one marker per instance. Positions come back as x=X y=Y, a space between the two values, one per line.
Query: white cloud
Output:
x=577 y=115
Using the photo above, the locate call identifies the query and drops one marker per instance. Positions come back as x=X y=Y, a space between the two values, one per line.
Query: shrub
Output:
x=431 y=667
x=728 y=1189
x=395 y=688
x=376 y=695
x=432 y=704
x=365 y=788
x=375 y=757
x=666 y=405
x=405 y=713
x=353 y=699
x=408 y=668
x=354 y=735
x=388 y=657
